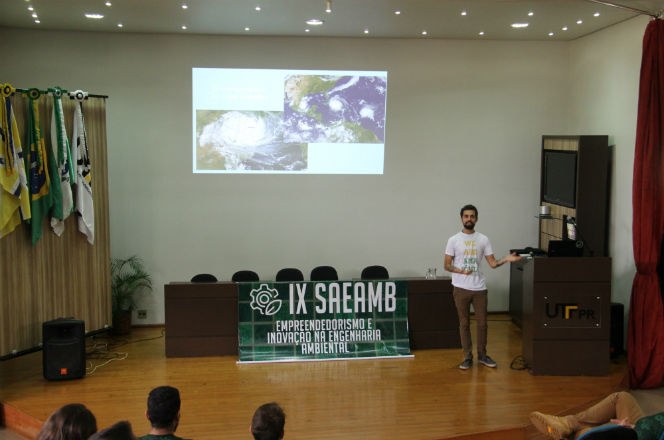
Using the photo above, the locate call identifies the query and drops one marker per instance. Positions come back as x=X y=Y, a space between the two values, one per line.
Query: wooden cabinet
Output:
x=432 y=317
x=201 y=319
x=592 y=188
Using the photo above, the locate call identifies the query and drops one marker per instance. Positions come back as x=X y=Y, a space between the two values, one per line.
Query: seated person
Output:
x=618 y=408
x=118 y=431
x=268 y=422
x=71 y=422
x=163 y=413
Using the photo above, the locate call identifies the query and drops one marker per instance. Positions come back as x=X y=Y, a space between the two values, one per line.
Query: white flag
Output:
x=84 y=205
x=62 y=155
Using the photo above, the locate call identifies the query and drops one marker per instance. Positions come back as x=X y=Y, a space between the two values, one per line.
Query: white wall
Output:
x=465 y=120
x=603 y=98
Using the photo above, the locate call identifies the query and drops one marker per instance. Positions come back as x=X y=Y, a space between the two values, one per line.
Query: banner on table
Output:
x=322 y=320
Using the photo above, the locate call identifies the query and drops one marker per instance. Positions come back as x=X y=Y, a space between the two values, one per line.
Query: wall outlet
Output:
x=142 y=314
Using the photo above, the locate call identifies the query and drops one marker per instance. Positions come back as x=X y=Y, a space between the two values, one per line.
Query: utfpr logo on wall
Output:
x=568 y=311
x=265 y=300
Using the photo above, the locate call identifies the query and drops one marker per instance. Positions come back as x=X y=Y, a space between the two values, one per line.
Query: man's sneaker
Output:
x=487 y=361
x=466 y=364
x=553 y=426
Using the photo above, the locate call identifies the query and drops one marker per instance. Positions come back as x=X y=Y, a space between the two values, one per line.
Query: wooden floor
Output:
x=425 y=397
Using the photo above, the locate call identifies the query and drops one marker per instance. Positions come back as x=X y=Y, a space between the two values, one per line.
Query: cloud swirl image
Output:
x=240 y=140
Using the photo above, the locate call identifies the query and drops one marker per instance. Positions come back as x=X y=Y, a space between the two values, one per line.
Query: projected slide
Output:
x=288 y=121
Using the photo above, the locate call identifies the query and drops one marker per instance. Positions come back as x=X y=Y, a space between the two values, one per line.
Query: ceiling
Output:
x=483 y=19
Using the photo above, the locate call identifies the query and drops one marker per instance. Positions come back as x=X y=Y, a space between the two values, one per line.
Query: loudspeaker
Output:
x=616 y=338
x=63 y=347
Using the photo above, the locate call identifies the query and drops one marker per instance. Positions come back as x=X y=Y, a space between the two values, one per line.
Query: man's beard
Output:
x=469 y=225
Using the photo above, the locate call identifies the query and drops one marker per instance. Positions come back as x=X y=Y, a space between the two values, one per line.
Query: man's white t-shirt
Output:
x=467 y=252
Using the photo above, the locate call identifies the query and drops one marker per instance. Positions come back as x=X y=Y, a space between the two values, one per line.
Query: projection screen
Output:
x=288 y=121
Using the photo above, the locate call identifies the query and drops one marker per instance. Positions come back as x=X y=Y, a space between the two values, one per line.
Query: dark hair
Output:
x=163 y=406
x=119 y=431
x=468 y=208
x=71 y=422
x=268 y=422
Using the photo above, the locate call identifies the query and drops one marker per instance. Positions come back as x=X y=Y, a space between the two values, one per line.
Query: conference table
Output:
x=202 y=318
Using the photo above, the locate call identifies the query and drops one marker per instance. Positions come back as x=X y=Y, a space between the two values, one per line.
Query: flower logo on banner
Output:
x=265 y=300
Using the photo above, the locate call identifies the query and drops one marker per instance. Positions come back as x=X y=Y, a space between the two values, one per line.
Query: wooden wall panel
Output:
x=593 y=187
x=58 y=276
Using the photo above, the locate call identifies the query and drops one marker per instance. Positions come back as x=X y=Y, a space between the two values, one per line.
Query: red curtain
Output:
x=645 y=337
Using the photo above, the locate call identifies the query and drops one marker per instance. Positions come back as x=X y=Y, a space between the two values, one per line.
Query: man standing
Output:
x=463 y=254
x=163 y=413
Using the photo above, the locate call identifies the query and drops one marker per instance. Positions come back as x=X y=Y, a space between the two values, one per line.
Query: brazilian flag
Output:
x=37 y=169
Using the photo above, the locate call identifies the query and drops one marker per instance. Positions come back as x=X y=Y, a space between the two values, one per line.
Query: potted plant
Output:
x=129 y=280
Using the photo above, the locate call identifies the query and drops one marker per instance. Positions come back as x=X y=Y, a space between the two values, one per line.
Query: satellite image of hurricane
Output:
x=334 y=109
x=317 y=109
x=246 y=140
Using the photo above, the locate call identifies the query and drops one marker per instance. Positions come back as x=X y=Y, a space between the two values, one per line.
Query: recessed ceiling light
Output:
x=109 y=4
x=34 y=15
x=30 y=8
x=481 y=33
x=579 y=21
x=257 y=8
x=247 y=29
x=315 y=22
x=564 y=28
x=530 y=13
x=183 y=27
x=328 y=6
x=397 y=12
x=424 y=32
x=366 y=31
x=184 y=6
x=37 y=21
x=464 y=13
x=307 y=30
x=596 y=14
x=120 y=25
x=94 y=16
x=519 y=25
x=551 y=34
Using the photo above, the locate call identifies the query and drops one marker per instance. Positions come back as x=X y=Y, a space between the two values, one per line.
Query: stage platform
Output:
x=425 y=397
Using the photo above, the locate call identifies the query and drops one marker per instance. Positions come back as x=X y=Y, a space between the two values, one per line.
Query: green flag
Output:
x=60 y=166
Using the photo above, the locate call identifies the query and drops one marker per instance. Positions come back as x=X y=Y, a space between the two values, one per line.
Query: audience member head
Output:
x=71 y=422
x=268 y=422
x=164 y=408
x=118 y=431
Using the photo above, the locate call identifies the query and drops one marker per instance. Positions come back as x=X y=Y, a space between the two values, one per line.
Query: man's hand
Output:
x=513 y=257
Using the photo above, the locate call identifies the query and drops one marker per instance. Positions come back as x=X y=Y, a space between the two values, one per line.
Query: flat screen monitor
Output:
x=559 y=177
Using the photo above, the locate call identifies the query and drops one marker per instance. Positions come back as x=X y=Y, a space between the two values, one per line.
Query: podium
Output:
x=565 y=314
